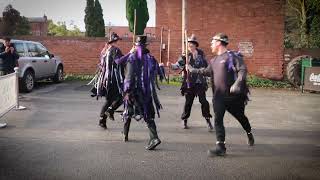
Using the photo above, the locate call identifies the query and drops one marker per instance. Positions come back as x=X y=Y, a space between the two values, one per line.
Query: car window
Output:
x=42 y=50
x=20 y=49
x=32 y=50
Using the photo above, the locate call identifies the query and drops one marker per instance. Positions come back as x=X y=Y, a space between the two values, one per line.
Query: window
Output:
x=41 y=50
x=19 y=49
x=32 y=50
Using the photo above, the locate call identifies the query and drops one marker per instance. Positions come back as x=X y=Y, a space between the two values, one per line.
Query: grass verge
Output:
x=253 y=81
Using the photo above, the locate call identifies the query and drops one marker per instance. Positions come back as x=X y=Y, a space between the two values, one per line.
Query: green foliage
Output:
x=60 y=29
x=93 y=19
x=23 y=27
x=141 y=13
x=254 y=81
x=10 y=19
x=302 y=24
x=89 y=18
x=315 y=32
x=77 y=77
x=98 y=20
x=177 y=79
x=14 y=24
x=75 y=32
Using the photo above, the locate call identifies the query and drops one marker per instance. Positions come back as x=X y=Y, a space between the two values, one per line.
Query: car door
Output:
x=22 y=50
x=49 y=63
x=36 y=60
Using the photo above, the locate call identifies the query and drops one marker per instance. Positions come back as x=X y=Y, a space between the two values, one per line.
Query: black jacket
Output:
x=199 y=62
x=8 y=61
x=234 y=80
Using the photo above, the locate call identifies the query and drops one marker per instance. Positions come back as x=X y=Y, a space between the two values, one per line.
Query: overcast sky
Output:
x=72 y=11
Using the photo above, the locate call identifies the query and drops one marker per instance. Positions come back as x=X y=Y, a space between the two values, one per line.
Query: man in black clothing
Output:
x=8 y=58
x=110 y=80
x=230 y=91
x=194 y=84
x=140 y=93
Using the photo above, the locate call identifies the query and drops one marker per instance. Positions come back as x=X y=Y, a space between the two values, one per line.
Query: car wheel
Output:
x=58 y=77
x=27 y=82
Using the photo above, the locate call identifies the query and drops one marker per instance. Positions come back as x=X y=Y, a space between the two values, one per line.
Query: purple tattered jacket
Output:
x=140 y=82
x=110 y=73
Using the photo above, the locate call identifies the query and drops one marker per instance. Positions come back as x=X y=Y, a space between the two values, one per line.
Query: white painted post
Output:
x=18 y=107
x=184 y=23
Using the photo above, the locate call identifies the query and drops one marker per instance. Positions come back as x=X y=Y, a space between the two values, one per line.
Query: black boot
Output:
x=210 y=127
x=153 y=144
x=185 y=124
x=154 y=140
x=250 y=139
x=110 y=113
x=126 y=130
x=219 y=151
x=103 y=122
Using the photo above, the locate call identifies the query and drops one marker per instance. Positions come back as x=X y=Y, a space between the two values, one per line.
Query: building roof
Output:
x=37 y=19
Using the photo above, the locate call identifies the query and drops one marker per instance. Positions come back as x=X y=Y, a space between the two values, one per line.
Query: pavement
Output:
x=57 y=137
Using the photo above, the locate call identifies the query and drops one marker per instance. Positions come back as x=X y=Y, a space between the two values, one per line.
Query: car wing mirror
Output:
x=50 y=55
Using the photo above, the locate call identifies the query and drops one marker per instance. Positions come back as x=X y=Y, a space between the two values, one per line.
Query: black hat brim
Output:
x=109 y=42
x=139 y=44
x=194 y=42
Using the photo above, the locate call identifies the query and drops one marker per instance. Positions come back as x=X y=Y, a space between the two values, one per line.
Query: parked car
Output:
x=36 y=63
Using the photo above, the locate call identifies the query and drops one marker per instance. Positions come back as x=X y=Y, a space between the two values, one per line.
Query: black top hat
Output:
x=113 y=38
x=141 y=40
x=193 y=39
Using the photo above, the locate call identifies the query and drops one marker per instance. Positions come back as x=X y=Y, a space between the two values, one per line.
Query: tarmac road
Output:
x=58 y=137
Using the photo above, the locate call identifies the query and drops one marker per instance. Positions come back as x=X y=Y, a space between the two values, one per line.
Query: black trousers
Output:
x=130 y=109
x=151 y=126
x=113 y=100
x=236 y=107
x=205 y=108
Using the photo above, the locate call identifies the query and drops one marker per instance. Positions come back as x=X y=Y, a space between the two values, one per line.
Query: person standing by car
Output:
x=8 y=58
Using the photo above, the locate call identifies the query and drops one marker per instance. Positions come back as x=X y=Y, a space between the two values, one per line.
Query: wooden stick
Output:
x=187 y=59
x=168 y=60
x=135 y=24
x=184 y=23
x=186 y=48
x=161 y=42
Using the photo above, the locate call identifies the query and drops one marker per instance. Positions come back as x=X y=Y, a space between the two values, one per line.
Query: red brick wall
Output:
x=260 y=22
x=81 y=55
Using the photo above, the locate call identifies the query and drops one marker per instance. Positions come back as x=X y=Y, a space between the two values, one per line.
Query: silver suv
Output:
x=36 y=63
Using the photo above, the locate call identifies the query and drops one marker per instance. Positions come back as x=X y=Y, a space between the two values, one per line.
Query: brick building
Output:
x=256 y=27
x=39 y=25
